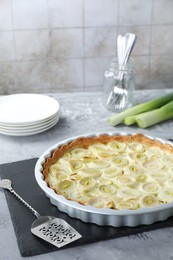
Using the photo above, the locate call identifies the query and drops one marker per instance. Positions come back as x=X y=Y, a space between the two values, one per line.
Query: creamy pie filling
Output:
x=119 y=172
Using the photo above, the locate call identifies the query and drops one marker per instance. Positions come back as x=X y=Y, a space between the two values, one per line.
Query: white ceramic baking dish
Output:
x=99 y=216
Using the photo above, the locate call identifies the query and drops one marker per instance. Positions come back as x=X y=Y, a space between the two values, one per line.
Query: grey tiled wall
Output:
x=65 y=45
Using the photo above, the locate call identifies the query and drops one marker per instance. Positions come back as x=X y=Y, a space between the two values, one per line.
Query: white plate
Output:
x=101 y=216
x=14 y=125
x=27 y=127
x=30 y=131
x=26 y=108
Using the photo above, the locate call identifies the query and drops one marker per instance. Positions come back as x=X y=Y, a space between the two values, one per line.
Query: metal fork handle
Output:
x=6 y=184
x=24 y=202
x=123 y=60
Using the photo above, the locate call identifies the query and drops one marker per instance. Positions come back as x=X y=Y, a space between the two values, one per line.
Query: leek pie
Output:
x=116 y=172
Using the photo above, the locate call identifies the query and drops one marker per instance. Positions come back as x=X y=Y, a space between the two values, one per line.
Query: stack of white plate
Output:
x=27 y=114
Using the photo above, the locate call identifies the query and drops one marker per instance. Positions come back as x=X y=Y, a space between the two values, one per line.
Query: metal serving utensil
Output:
x=125 y=44
x=53 y=230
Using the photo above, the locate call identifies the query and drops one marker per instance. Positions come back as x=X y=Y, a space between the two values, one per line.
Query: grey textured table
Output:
x=83 y=113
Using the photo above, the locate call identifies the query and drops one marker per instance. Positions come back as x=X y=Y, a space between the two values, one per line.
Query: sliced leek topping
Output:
x=105 y=181
x=129 y=193
x=159 y=176
x=154 y=153
x=54 y=169
x=91 y=192
x=112 y=172
x=149 y=201
x=77 y=196
x=153 y=165
x=89 y=159
x=76 y=164
x=107 y=154
x=64 y=165
x=67 y=155
x=139 y=157
x=75 y=176
x=121 y=161
x=169 y=192
x=168 y=160
x=60 y=175
x=166 y=195
x=116 y=175
x=110 y=204
x=137 y=147
x=142 y=178
x=80 y=153
x=74 y=195
x=108 y=189
x=97 y=147
x=87 y=182
x=128 y=204
x=100 y=164
x=97 y=202
x=65 y=186
x=52 y=179
x=169 y=180
x=92 y=172
x=82 y=199
x=135 y=169
x=124 y=180
x=118 y=147
x=151 y=187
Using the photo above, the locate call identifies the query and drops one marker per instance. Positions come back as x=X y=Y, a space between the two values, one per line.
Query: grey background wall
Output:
x=65 y=45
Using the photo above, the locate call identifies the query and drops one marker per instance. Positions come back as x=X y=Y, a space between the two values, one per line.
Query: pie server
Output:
x=53 y=230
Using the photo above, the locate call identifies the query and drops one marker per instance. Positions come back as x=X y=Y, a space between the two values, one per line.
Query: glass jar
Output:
x=118 y=86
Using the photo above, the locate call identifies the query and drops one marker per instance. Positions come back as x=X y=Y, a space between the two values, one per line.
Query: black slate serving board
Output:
x=22 y=175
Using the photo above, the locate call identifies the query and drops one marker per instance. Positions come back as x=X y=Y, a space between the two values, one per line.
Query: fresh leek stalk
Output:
x=130 y=120
x=155 y=116
x=144 y=107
